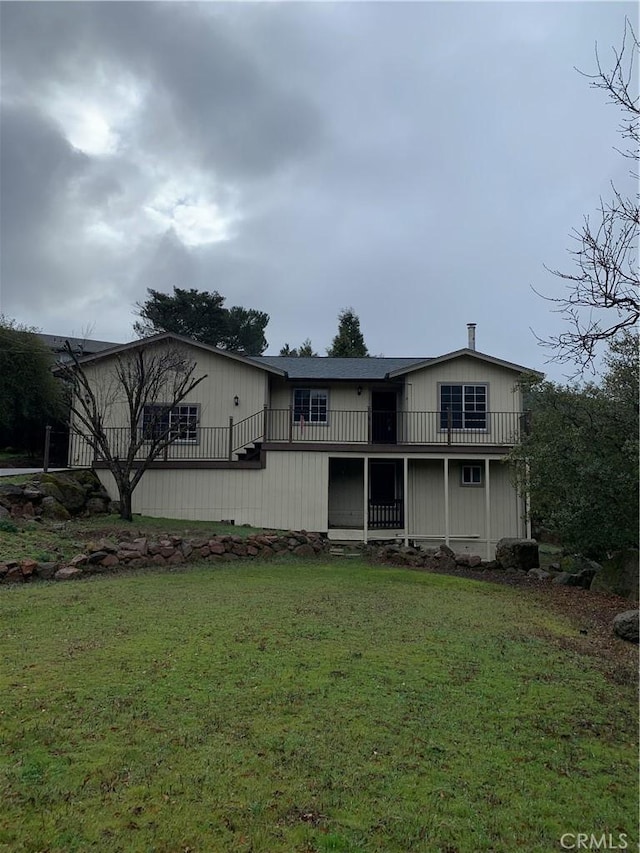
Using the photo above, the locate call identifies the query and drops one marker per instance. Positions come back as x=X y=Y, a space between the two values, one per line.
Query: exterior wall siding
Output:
x=421 y=391
x=467 y=505
x=226 y=378
x=289 y=494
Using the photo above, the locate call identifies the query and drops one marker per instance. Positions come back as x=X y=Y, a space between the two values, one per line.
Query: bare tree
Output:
x=602 y=293
x=123 y=411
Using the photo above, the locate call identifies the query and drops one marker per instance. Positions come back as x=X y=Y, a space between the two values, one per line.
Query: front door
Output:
x=385 y=495
x=384 y=407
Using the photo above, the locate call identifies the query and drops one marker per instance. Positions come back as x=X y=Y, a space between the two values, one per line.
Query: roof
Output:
x=449 y=356
x=116 y=349
x=325 y=367
x=317 y=368
x=83 y=346
x=371 y=368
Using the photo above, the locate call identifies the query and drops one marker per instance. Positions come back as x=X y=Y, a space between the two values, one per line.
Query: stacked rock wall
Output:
x=55 y=496
x=107 y=555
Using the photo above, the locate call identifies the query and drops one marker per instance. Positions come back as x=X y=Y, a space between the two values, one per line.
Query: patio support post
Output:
x=405 y=500
x=365 y=463
x=230 y=448
x=527 y=504
x=47 y=447
x=487 y=506
x=447 y=534
x=290 y=424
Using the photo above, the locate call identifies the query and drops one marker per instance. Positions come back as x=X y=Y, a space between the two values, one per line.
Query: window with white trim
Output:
x=179 y=424
x=310 y=405
x=463 y=406
x=471 y=475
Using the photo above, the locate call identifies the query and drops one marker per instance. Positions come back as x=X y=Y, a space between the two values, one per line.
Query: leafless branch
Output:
x=135 y=380
x=602 y=294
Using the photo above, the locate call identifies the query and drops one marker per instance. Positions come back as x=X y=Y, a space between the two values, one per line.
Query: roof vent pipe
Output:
x=471 y=329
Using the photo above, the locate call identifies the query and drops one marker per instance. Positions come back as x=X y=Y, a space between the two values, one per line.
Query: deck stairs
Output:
x=250 y=453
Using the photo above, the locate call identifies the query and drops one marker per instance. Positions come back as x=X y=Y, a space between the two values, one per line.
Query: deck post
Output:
x=265 y=416
x=230 y=447
x=405 y=498
x=47 y=448
x=487 y=506
x=365 y=463
x=290 y=424
x=449 y=425
x=369 y=425
x=527 y=504
x=447 y=534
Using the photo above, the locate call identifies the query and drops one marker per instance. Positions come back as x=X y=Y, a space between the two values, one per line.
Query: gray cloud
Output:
x=420 y=162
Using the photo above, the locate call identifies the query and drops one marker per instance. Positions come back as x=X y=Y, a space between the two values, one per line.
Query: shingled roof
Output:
x=324 y=367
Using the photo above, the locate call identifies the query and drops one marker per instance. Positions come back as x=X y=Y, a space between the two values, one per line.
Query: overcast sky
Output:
x=420 y=162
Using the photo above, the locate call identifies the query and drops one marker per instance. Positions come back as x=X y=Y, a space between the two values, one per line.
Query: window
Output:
x=310 y=405
x=471 y=475
x=467 y=404
x=179 y=424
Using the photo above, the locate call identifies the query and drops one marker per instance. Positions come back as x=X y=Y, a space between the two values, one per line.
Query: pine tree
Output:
x=305 y=350
x=349 y=342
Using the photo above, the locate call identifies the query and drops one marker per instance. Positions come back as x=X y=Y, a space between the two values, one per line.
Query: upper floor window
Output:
x=310 y=405
x=179 y=424
x=467 y=405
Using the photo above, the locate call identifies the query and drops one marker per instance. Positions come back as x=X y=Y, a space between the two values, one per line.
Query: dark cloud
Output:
x=418 y=161
x=37 y=166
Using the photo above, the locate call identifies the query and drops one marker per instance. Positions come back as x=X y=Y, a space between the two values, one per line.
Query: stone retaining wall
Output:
x=107 y=555
x=443 y=558
x=55 y=497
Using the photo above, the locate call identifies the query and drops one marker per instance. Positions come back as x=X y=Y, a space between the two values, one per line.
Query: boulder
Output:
x=445 y=551
x=4 y=512
x=14 y=575
x=625 y=625
x=28 y=566
x=538 y=574
x=97 y=506
x=46 y=571
x=10 y=494
x=52 y=508
x=562 y=578
x=517 y=554
x=582 y=579
x=67 y=573
x=619 y=575
x=574 y=563
x=64 y=488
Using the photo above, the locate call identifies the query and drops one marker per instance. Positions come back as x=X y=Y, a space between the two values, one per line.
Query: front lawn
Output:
x=324 y=706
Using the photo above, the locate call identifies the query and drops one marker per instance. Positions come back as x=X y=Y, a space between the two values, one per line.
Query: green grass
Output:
x=62 y=540
x=303 y=707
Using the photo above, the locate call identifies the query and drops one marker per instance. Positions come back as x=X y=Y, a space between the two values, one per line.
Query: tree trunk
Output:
x=125 y=502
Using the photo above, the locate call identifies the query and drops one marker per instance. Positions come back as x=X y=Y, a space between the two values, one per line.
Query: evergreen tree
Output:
x=202 y=317
x=30 y=396
x=349 y=342
x=579 y=460
x=305 y=350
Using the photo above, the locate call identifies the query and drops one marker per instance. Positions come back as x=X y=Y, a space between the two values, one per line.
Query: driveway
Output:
x=14 y=472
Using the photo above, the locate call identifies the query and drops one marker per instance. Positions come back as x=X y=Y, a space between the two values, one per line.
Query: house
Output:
x=357 y=448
